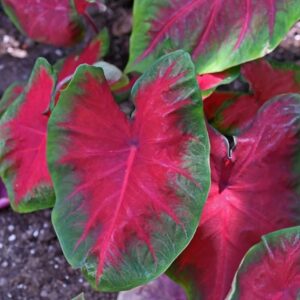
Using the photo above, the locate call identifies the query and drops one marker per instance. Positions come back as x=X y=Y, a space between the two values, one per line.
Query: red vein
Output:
x=109 y=232
x=37 y=131
x=215 y=9
x=272 y=14
x=184 y=10
x=245 y=25
x=103 y=175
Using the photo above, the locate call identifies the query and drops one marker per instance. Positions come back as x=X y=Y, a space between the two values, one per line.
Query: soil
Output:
x=32 y=265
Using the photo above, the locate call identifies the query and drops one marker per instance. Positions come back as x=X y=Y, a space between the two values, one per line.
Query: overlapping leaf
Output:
x=270 y=270
x=229 y=111
x=255 y=190
x=129 y=191
x=54 y=22
x=217 y=33
x=23 y=165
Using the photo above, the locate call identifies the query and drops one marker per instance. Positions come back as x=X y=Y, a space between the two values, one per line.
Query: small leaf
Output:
x=209 y=82
x=218 y=34
x=10 y=95
x=129 y=191
x=23 y=143
x=52 y=22
x=114 y=76
x=92 y=53
x=270 y=269
x=229 y=112
x=254 y=191
x=162 y=288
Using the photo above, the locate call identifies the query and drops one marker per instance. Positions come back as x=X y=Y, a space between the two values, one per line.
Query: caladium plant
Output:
x=129 y=191
x=255 y=190
x=229 y=111
x=270 y=270
x=55 y=22
x=218 y=34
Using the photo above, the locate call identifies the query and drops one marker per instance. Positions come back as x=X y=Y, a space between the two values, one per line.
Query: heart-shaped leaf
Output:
x=129 y=191
x=162 y=288
x=54 y=22
x=254 y=191
x=23 y=143
x=270 y=270
x=228 y=111
x=218 y=34
x=10 y=95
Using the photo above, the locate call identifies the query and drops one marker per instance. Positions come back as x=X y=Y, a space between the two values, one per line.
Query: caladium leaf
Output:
x=161 y=288
x=254 y=191
x=228 y=111
x=92 y=53
x=10 y=95
x=270 y=270
x=129 y=192
x=23 y=165
x=218 y=34
x=54 y=22
x=270 y=79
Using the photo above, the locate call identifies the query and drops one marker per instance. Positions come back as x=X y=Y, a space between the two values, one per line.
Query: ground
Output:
x=32 y=265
